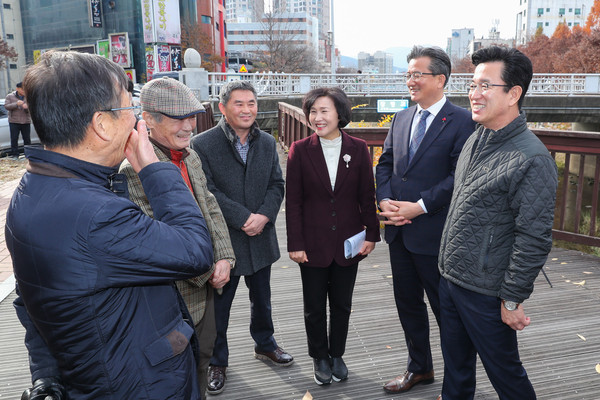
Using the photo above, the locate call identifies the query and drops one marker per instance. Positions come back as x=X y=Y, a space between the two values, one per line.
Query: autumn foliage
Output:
x=8 y=52
x=575 y=50
x=567 y=51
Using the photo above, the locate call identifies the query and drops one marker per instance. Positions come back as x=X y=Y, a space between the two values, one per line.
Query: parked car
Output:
x=5 y=132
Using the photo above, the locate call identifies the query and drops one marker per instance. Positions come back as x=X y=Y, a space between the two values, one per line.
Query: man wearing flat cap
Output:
x=169 y=109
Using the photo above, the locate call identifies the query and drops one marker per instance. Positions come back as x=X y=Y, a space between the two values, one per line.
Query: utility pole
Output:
x=6 y=83
x=333 y=66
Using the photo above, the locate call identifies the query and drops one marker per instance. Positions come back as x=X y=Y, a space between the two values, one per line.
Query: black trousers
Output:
x=413 y=275
x=207 y=333
x=336 y=283
x=472 y=324
x=15 y=129
x=261 y=321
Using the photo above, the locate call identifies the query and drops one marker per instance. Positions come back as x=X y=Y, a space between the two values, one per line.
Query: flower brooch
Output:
x=347 y=159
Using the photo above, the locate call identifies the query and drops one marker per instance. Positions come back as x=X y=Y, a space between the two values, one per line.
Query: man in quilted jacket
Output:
x=498 y=232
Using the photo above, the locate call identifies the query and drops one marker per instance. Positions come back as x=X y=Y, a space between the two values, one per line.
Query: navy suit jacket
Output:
x=428 y=176
x=318 y=218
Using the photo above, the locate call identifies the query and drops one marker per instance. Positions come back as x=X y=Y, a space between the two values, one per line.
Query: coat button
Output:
x=404 y=179
x=332 y=201
x=333 y=228
x=333 y=214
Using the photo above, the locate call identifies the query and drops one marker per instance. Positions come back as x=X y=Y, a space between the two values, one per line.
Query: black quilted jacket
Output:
x=499 y=228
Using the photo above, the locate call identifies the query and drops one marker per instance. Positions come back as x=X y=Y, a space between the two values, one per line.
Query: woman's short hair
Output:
x=341 y=101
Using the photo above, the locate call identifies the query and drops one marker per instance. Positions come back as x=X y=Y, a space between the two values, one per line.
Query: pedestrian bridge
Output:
x=550 y=98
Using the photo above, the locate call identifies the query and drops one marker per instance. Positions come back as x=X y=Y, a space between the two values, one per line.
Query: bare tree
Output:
x=193 y=37
x=283 y=49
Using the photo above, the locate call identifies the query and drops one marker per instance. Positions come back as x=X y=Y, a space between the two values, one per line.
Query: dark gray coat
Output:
x=255 y=187
x=499 y=227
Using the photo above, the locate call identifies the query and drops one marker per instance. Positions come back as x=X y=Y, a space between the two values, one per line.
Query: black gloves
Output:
x=49 y=388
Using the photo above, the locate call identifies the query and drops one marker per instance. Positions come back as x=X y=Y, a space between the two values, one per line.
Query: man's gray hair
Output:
x=229 y=87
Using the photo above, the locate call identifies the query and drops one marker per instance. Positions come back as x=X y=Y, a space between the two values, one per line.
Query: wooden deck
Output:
x=560 y=363
x=560 y=349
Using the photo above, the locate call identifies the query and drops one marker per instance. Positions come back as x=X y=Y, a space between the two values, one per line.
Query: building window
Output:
x=10 y=36
x=13 y=66
x=561 y=12
x=570 y=10
x=7 y=6
x=578 y=11
x=540 y=24
x=576 y=24
x=206 y=19
x=547 y=10
x=217 y=27
x=540 y=11
x=547 y=23
x=569 y=24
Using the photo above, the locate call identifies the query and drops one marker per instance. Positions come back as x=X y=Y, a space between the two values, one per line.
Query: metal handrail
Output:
x=280 y=84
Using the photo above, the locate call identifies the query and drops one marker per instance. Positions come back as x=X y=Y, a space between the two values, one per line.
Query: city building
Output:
x=493 y=39
x=245 y=11
x=547 y=14
x=288 y=29
x=143 y=36
x=378 y=63
x=458 y=43
x=211 y=19
x=320 y=9
x=12 y=34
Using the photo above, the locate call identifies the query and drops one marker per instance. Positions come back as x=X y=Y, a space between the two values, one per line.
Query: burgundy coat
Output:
x=320 y=219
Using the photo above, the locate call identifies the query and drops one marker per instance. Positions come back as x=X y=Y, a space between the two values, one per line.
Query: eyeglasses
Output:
x=417 y=75
x=123 y=108
x=482 y=87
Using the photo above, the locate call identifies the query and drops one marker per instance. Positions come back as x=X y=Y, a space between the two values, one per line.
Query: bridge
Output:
x=550 y=98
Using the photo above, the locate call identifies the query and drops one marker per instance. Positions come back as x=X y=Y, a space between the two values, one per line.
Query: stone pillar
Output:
x=193 y=76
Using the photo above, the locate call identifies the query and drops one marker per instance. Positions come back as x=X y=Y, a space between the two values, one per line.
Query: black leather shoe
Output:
x=216 y=379
x=339 y=371
x=322 y=370
x=278 y=356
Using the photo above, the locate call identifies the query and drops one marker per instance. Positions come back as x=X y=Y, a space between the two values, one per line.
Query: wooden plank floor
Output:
x=560 y=363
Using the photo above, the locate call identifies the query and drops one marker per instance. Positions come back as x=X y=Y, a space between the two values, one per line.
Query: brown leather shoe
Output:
x=278 y=356
x=406 y=381
x=216 y=379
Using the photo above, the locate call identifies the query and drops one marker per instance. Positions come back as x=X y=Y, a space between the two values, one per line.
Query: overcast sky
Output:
x=371 y=25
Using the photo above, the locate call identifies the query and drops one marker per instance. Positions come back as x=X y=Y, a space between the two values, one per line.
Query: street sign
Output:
x=391 y=105
x=243 y=68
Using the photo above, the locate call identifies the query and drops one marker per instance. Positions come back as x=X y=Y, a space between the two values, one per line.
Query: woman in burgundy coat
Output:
x=330 y=196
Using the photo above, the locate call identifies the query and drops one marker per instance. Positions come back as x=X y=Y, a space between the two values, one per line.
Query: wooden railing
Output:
x=577 y=202
x=205 y=120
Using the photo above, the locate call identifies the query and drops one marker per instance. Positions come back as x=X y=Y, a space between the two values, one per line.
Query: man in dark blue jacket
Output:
x=94 y=274
x=415 y=177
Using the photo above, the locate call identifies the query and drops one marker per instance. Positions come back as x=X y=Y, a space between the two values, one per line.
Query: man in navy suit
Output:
x=415 y=177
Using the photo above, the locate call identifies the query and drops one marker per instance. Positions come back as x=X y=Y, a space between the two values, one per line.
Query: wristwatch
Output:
x=510 y=305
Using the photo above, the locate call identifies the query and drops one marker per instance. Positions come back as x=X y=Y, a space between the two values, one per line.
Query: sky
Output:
x=372 y=25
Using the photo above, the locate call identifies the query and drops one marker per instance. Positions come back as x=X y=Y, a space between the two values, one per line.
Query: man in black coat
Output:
x=242 y=169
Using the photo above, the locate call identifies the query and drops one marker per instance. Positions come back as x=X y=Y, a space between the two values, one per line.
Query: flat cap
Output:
x=169 y=97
